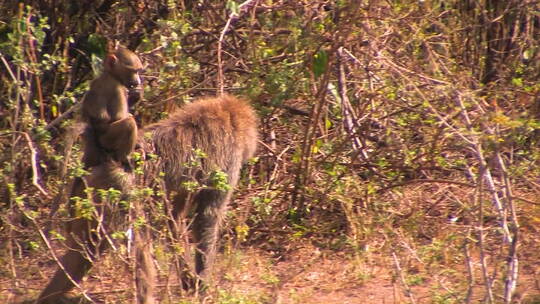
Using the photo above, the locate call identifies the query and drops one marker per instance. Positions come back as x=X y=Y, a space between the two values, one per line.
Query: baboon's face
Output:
x=125 y=66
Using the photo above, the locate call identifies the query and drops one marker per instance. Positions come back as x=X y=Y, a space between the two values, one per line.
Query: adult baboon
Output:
x=224 y=129
x=220 y=134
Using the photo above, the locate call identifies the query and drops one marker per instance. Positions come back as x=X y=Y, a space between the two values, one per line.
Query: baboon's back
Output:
x=224 y=128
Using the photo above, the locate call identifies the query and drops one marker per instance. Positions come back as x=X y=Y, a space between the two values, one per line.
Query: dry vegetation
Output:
x=399 y=158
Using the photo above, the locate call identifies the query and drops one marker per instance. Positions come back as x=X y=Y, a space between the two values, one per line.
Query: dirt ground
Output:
x=248 y=276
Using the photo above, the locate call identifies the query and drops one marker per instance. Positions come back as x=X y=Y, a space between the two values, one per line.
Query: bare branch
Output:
x=242 y=8
x=64 y=115
x=33 y=159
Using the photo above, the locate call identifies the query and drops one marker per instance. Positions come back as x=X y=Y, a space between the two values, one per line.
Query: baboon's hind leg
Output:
x=76 y=266
x=211 y=205
x=75 y=263
x=121 y=138
x=178 y=226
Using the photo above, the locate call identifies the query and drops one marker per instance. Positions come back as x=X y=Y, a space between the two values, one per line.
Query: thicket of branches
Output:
x=407 y=128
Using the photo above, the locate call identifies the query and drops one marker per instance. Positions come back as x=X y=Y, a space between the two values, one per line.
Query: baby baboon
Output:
x=222 y=134
x=111 y=130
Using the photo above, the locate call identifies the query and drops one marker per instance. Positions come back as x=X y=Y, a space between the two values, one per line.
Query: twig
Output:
x=33 y=159
x=402 y=69
x=470 y=271
x=447 y=181
x=346 y=108
x=524 y=200
x=512 y=261
x=232 y=18
x=427 y=180
x=51 y=250
x=58 y=119
x=31 y=52
x=11 y=240
x=8 y=68
x=402 y=278
x=480 y=230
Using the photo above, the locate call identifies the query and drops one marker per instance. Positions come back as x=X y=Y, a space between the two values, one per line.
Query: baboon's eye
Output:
x=134 y=71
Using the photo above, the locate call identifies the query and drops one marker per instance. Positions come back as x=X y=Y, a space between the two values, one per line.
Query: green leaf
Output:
x=328 y=123
x=320 y=61
x=517 y=82
x=233 y=7
x=97 y=44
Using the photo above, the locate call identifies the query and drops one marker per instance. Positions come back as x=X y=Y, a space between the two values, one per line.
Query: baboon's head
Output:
x=124 y=66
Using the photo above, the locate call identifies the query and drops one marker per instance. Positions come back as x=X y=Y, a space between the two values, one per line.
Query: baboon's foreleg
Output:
x=121 y=137
x=93 y=153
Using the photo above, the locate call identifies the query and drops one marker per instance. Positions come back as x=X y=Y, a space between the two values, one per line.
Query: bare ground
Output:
x=306 y=275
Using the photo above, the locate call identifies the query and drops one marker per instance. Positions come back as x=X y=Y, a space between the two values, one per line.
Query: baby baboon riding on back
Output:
x=111 y=131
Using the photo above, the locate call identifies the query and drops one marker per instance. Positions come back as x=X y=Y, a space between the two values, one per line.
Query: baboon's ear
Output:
x=110 y=61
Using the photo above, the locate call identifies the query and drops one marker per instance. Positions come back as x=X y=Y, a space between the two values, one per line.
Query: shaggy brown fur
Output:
x=225 y=130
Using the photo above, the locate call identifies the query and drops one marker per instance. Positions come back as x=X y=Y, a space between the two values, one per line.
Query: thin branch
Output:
x=56 y=259
x=470 y=270
x=346 y=108
x=483 y=165
x=427 y=180
x=512 y=260
x=242 y=8
x=8 y=68
x=31 y=52
x=481 y=241
x=402 y=278
x=64 y=115
x=33 y=159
